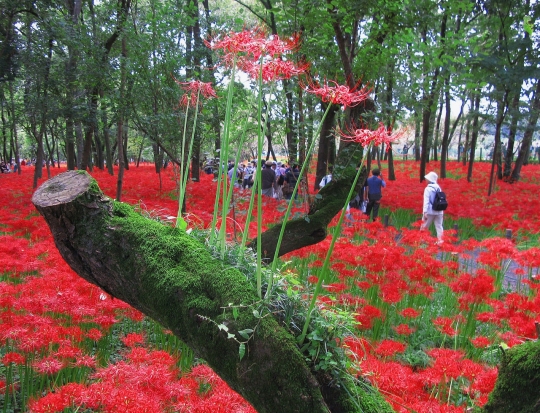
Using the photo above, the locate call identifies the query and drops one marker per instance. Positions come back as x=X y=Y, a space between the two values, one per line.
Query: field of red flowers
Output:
x=428 y=319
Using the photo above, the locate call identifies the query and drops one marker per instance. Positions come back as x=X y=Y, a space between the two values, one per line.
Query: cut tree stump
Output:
x=171 y=277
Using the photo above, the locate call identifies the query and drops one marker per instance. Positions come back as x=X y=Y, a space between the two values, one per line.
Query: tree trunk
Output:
x=169 y=276
x=106 y=138
x=326 y=136
x=495 y=161
x=474 y=134
x=524 y=152
x=445 y=141
x=509 y=155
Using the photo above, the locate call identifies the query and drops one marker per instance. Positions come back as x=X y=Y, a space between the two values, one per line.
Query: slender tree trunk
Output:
x=497 y=149
x=509 y=155
x=474 y=134
x=106 y=137
x=417 y=131
x=436 y=132
x=445 y=141
x=429 y=100
x=13 y=126
x=524 y=152
x=324 y=149
x=119 y=132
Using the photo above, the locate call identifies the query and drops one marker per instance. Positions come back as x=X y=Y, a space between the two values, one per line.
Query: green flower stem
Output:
x=222 y=234
x=182 y=189
x=185 y=170
x=326 y=264
x=251 y=206
x=291 y=201
x=222 y=156
x=259 y=186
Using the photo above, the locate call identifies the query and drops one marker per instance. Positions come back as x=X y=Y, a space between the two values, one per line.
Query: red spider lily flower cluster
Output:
x=195 y=90
x=367 y=137
x=256 y=53
x=332 y=92
x=274 y=69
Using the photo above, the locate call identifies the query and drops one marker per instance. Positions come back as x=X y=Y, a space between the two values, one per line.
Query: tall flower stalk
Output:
x=367 y=139
x=194 y=90
x=262 y=58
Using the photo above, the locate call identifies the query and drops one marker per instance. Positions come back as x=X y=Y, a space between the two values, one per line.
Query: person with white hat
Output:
x=430 y=216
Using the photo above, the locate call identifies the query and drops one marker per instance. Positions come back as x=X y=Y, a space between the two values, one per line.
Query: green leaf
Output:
x=527 y=26
x=242 y=350
x=235 y=312
x=229 y=335
x=245 y=333
x=223 y=327
x=181 y=224
x=307 y=219
x=256 y=314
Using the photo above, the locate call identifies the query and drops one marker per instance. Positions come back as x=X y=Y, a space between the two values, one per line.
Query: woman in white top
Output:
x=428 y=214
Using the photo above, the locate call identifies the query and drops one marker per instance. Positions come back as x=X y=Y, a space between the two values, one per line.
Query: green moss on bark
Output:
x=518 y=386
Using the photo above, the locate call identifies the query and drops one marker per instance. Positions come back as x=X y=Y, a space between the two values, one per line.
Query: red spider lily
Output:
x=445 y=325
x=367 y=137
x=404 y=330
x=338 y=94
x=256 y=54
x=14 y=358
x=25 y=300
x=48 y=365
x=481 y=342
x=94 y=334
x=272 y=70
x=85 y=361
x=251 y=41
x=196 y=90
x=388 y=348
x=410 y=312
x=254 y=43
x=132 y=339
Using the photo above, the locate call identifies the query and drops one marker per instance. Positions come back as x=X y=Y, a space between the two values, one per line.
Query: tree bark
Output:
x=524 y=152
x=171 y=277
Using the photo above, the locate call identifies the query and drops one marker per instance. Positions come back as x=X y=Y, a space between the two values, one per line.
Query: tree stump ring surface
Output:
x=62 y=189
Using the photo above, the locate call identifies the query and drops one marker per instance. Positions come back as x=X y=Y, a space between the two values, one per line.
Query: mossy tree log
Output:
x=171 y=277
x=518 y=385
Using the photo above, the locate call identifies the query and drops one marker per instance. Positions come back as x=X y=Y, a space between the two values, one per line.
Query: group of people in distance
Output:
x=371 y=194
x=277 y=179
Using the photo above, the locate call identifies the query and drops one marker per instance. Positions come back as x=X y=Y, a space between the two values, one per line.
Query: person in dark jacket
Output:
x=268 y=179
x=373 y=193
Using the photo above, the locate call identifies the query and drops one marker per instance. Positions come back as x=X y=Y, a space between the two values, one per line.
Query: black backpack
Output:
x=439 y=202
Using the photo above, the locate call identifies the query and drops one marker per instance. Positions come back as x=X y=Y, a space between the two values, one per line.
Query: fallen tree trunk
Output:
x=171 y=277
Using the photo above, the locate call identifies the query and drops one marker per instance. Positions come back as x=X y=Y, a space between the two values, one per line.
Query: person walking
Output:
x=373 y=193
x=430 y=216
x=268 y=179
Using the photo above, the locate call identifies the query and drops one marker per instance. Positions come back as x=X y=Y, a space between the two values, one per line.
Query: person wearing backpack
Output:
x=429 y=215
